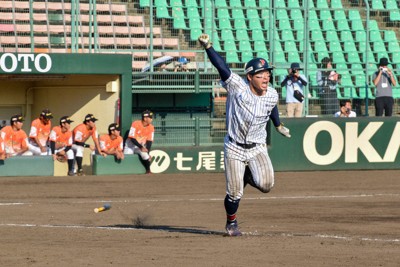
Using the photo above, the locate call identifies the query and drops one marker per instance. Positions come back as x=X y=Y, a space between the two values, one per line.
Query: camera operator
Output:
x=294 y=83
x=345 y=110
x=384 y=80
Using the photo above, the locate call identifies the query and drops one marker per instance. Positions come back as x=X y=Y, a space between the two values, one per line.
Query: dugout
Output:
x=67 y=84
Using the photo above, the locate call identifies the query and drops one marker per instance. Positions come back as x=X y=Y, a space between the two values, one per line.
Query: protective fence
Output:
x=171 y=73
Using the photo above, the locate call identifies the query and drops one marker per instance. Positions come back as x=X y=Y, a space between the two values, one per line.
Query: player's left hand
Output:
x=205 y=41
x=283 y=130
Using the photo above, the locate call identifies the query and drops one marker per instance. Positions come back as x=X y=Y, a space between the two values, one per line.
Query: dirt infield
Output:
x=309 y=219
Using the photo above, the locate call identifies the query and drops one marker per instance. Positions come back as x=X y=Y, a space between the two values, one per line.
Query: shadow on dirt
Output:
x=166 y=228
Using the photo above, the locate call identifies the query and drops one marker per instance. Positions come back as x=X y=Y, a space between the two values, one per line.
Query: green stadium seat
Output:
x=224 y=24
x=382 y=54
x=353 y=57
x=293 y=56
x=195 y=23
x=257 y=34
x=393 y=46
x=342 y=68
x=144 y=3
x=293 y=4
x=338 y=57
x=176 y=3
x=331 y=35
x=346 y=80
x=346 y=36
x=377 y=4
x=349 y=46
x=284 y=24
x=299 y=35
x=394 y=15
x=250 y=3
x=328 y=25
x=342 y=25
x=263 y=3
x=177 y=12
x=235 y=3
x=287 y=35
x=390 y=36
x=298 y=24
x=239 y=24
x=322 y=4
x=334 y=46
x=323 y=54
x=320 y=46
x=280 y=3
x=312 y=14
x=354 y=14
x=339 y=15
x=232 y=57
x=281 y=14
x=192 y=12
x=254 y=24
x=357 y=25
x=362 y=90
x=325 y=14
x=223 y=13
x=317 y=35
x=179 y=23
x=237 y=13
x=361 y=36
x=158 y=3
x=296 y=14
x=336 y=4
x=375 y=36
x=220 y=3
x=195 y=33
x=290 y=46
x=216 y=45
x=260 y=46
x=378 y=46
x=252 y=14
x=162 y=12
x=247 y=56
x=371 y=57
x=391 y=5
x=314 y=24
x=263 y=54
x=242 y=35
x=230 y=45
x=357 y=68
x=279 y=57
x=191 y=3
x=265 y=14
x=227 y=35
x=373 y=25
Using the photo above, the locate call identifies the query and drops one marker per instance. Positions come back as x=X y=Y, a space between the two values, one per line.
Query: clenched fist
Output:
x=205 y=41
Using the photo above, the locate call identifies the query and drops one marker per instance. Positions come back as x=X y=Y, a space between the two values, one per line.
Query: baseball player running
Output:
x=140 y=139
x=39 y=133
x=248 y=108
x=81 y=134
x=61 y=143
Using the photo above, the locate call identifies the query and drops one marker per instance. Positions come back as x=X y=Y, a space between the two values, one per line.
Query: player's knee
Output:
x=266 y=188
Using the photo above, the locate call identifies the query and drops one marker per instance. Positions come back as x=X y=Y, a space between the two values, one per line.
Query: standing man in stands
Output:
x=14 y=138
x=81 y=134
x=140 y=139
x=39 y=133
x=61 y=143
x=112 y=143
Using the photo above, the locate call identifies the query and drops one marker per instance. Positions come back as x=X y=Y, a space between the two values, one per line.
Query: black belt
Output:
x=246 y=146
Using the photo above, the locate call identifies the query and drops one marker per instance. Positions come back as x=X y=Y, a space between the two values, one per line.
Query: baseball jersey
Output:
x=107 y=143
x=141 y=133
x=1 y=145
x=81 y=133
x=14 y=141
x=41 y=131
x=247 y=114
x=61 y=139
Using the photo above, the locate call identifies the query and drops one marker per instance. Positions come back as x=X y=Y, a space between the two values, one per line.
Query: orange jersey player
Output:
x=112 y=143
x=140 y=139
x=81 y=134
x=61 y=143
x=14 y=138
x=2 y=150
x=39 y=133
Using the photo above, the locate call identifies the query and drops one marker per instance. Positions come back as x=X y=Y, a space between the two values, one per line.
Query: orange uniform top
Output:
x=141 y=133
x=40 y=130
x=107 y=143
x=1 y=145
x=14 y=141
x=81 y=133
x=61 y=139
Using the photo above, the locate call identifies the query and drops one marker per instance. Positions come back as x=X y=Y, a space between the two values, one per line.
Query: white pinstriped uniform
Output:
x=246 y=119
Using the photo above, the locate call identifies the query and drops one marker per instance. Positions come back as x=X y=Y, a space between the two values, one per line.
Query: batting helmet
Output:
x=255 y=65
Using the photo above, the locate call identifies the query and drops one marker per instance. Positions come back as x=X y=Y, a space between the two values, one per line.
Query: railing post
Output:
x=197 y=131
x=197 y=82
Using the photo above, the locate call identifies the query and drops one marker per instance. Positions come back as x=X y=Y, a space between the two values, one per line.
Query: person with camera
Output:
x=294 y=83
x=327 y=80
x=345 y=110
x=383 y=79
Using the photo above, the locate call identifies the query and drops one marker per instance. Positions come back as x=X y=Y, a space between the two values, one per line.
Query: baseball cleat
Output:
x=232 y=229
x=80 y=172
x=71 y=173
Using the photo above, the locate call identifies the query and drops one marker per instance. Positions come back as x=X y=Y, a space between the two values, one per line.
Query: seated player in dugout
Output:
x=140 y=139
x=39 y=134
x=14 y=138
x=2 y=150
x=61 y=143
x=81 y=134
x=112 y=143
